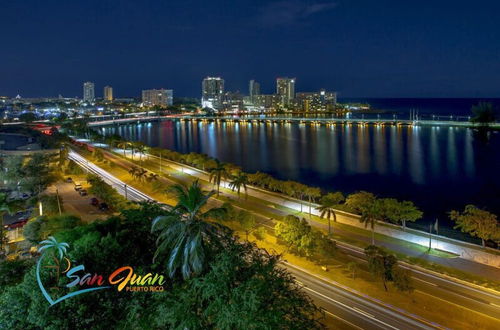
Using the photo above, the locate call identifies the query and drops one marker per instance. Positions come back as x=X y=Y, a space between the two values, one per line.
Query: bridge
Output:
x=284 y=120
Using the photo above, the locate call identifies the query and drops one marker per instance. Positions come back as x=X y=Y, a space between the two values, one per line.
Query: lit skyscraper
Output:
x=253 y=89
x=161 y=97
x=212 y=92
x=88 y=92
x=108 y=93
x=285 y=87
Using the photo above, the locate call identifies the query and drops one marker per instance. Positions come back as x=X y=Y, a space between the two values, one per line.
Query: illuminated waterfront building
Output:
x=160 y=97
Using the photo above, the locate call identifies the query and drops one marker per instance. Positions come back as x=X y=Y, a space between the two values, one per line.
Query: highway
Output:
x=353 y=310
x=129 y=192
x=463 y=295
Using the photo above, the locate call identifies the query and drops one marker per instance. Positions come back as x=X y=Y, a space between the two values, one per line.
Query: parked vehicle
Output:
x=69 y=180
x=94 y=201
x=78 y=186
x=82 y=192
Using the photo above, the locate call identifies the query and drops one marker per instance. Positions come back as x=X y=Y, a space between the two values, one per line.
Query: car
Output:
x=103 y=207
x=69 y=180
x=82 y=192
x=78 y=186
x=94 y=201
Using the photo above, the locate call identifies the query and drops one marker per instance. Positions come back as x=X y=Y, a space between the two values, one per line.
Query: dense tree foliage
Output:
x=477 y=223
x=241 y=287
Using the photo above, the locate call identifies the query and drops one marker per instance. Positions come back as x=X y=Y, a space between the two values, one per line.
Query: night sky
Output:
x=399 y=48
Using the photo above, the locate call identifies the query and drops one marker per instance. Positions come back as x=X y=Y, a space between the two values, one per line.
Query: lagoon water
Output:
x=439 y=168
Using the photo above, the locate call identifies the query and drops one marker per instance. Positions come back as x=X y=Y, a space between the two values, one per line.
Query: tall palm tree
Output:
x=327 y=206
x=133 y=171
x=141 y=149
x=218 y=173
x=152 y=177
x=123 y=145
x=9 y=207
x=238 y=181
x=312 y=193
x=185 y=235
x=370 y=214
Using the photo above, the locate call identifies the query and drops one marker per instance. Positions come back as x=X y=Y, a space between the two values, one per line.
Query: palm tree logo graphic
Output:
x=59 y=251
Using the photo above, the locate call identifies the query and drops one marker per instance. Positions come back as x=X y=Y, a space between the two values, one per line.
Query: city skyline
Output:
x=358 y=48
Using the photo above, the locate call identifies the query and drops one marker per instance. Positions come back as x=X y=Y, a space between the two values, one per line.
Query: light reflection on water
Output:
x=438 y=167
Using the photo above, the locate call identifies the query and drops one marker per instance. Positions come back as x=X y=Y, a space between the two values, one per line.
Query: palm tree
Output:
x=312 y=193
x=123 y=145
x=327 y=206
x=9 y=207
x=184 y=233
x=238 y=181
x=141 y=149
x=141 y=174
x=217 y=173
x=370 y=214
x=152 y=177
x=134 y=170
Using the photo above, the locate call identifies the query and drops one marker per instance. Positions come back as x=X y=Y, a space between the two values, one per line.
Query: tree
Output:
x=327 y=207
x=238 y=181
x=6 y=206
x=400 y=212
x=152 y=177
x=184 y=234
x=246 y=221
x=124 y=145
x=243 y=289
x=483 y=112
x=297 y=235
x=402 y=279
x=218 y=173
x=370 y=208
x=98 y=154
x=28 y=117
x=312 y=193
x=381 y=263
x=477 y=223
x=352 y=268
x=141 y=148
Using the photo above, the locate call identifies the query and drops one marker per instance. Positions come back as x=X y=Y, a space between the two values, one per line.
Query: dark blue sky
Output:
x=398 y=48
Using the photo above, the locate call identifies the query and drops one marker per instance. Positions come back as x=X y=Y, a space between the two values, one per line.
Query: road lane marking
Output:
x=349 y=307
x=364 y=313
x=421 y=280
x=342 y=319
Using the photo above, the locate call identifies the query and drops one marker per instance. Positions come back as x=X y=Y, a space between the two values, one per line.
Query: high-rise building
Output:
x=253 y=89
x=108 y=93
x=212 y=92
x=317 y=101
x=88 y=92
x=160 y=97
x=285 y=87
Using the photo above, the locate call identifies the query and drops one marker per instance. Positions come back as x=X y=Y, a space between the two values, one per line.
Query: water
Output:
x=439 y=168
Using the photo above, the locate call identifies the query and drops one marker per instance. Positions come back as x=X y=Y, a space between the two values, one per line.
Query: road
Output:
x=476 y=299
x=462 y=264
x=353 y=309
